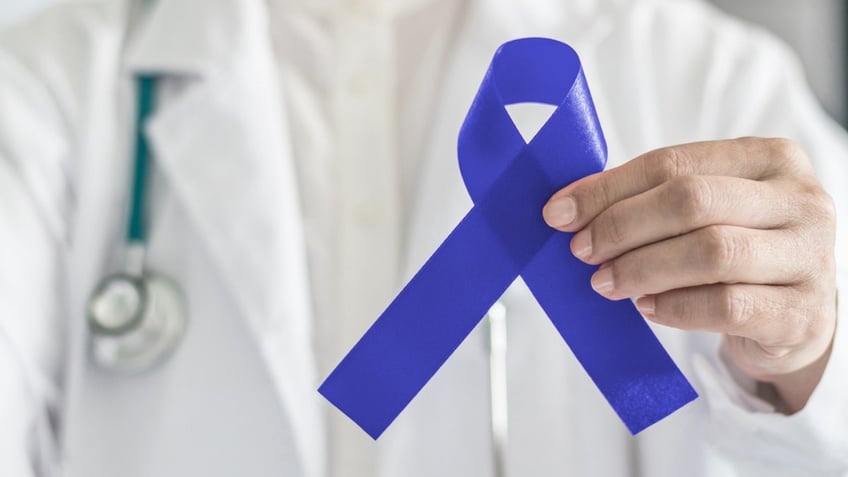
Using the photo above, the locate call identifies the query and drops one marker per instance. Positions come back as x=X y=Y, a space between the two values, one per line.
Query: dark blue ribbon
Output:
x=503 y=236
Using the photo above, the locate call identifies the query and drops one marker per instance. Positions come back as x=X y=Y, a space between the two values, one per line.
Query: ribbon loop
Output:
x=501 y=237
x=531 y=70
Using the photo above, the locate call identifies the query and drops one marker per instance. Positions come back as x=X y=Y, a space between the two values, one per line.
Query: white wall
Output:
x=816 y=30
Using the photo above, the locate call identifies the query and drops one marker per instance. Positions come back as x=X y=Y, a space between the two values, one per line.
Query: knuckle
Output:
x=787 y=152
x=605 y=196
x=800 y=322
x=591 y=198
x=827 y=206
x=811 y=318
x=818 y=321
x=816 y=232
x=812 y=265
x=715 y=247
x=674 y=306
x=784 y=147
x=663 y=164
x=720 y=250
x=610 y=228
x=820 y=207
x=690 y=198
x=816 y=297
x=735 y=307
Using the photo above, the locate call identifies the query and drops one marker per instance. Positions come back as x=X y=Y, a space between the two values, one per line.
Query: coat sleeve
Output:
x=755 y=86
x=34 y=204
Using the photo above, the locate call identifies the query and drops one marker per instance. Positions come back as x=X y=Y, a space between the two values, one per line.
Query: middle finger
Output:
x=713 y=254
x=678 y=206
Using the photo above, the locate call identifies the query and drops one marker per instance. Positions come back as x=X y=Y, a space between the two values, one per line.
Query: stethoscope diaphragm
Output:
x=135 y=322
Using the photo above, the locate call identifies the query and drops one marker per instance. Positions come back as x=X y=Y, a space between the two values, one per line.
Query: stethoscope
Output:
x=136 y=318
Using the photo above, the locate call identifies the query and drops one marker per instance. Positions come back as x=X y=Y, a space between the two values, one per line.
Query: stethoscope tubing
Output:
x=146 y=334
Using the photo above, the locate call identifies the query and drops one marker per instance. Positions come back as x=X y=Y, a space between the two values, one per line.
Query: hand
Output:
x=735 y=237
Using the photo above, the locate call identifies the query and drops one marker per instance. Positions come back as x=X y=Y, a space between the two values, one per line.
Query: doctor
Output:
x=304 y=167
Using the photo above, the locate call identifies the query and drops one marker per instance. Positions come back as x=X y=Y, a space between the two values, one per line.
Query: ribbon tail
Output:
x=422 y=327
x=610 y=339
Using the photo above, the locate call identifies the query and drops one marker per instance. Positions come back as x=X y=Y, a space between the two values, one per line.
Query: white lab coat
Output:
x=231 y=401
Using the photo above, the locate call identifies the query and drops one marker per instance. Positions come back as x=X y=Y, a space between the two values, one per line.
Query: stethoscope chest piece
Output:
x=135 y=322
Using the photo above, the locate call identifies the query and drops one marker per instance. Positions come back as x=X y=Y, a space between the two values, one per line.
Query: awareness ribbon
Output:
x=504 y=236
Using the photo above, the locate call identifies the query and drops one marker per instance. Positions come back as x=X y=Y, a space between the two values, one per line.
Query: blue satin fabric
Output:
x=503 y=236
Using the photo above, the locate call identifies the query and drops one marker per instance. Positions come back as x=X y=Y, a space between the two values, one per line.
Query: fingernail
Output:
x=560 y=212
x=602 y=280
x=581 y=244
x=646 y=305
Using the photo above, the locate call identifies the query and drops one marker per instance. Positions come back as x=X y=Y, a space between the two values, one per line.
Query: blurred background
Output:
x=816 y=29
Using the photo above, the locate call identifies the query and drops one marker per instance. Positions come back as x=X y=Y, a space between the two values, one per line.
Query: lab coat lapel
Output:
x=221 y=144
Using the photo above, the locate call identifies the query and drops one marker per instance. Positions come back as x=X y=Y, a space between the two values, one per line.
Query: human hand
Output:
x=734 y=236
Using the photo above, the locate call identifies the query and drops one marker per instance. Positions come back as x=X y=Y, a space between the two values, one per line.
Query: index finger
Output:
x=574 y=206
